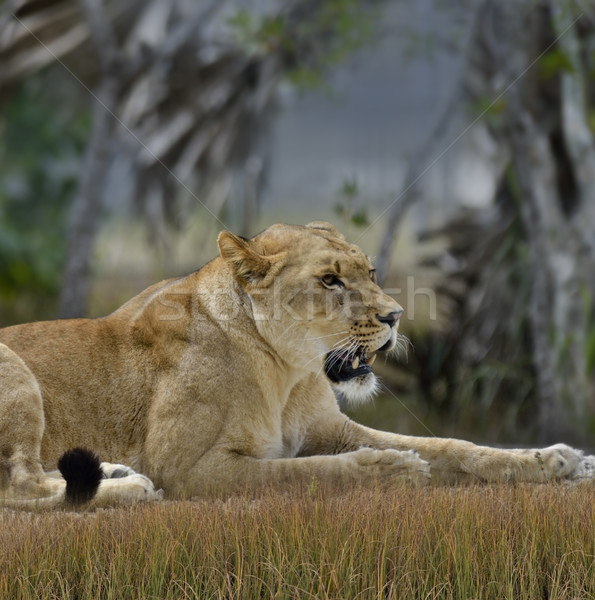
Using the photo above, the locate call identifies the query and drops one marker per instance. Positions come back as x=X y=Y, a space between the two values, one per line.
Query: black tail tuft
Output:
x=82 y=471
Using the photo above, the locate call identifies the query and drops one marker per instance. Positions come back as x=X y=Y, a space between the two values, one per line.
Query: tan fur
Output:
x=215 y=382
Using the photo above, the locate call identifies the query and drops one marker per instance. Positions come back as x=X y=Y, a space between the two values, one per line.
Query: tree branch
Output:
x=421 y=161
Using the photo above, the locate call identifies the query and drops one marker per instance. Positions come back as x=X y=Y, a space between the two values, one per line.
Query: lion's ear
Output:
x=247 y=264
x=325 y=226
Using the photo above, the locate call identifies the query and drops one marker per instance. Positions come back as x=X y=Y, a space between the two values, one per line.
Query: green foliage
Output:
x=490 y=110
x=553 y=63
x=345 y=209
x=40 y=146
x=242 y=24
x=350 y=188
x=310 y=43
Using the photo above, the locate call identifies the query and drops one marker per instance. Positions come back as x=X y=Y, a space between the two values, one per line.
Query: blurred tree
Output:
x=182 y=92
x=523 y=280
x=39 y=157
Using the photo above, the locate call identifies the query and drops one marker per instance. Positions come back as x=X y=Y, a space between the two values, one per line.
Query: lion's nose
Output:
x=392 y=318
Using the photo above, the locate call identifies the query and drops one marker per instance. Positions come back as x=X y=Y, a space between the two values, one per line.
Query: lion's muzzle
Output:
x=343 y=365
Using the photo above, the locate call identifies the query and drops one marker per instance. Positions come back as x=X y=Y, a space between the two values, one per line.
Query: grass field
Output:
x=523 y=542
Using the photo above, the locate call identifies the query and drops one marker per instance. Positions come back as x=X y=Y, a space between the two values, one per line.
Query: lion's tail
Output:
x=82 y=472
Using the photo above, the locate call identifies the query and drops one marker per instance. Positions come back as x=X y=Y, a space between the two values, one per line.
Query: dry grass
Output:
x=499 y=542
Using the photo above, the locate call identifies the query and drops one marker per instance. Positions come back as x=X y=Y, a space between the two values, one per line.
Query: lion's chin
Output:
x=349 y=371
x=358 y=390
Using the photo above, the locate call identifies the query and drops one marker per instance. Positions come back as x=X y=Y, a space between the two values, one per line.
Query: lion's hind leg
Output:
x=80 y=482
x=23 y=482
x=21 y=431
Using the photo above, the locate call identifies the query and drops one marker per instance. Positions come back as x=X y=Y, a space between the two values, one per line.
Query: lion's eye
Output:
x=331 y=281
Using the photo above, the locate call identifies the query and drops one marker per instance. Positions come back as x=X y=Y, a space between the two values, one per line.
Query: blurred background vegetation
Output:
x=453 y=141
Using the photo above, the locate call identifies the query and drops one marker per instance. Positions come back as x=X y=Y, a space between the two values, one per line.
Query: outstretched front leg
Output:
x=461 y=461
x=453 y=460
x=225 y=471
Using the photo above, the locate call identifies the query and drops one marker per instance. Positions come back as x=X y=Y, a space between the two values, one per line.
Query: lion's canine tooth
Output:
x=355 y=363
x=372 y=359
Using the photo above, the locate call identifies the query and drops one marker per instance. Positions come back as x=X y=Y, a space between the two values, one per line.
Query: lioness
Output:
x=223 y=380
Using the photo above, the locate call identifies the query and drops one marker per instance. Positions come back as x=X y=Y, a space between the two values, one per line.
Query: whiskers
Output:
x=284 y=332
x=337 y=344
x=347 y=347
x=402 y=346
x=345 y=355
x=322 y=337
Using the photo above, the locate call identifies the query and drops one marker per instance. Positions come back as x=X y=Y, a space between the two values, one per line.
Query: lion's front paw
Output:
x=139 y=488
x=126 y=490
x=560 y=462
x=405 y=465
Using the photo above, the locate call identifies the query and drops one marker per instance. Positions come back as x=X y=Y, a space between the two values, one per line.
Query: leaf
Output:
x=271 y=30
x=490 y=110
x=304 y=78
x=554 y=62
x=360 y=218
x=243 y=26
x=350 y=188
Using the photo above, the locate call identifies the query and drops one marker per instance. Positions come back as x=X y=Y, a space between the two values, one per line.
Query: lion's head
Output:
x=315 y=299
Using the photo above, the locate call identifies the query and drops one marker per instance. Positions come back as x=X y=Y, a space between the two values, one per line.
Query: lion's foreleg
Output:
x=458 y=460
x=236 y=473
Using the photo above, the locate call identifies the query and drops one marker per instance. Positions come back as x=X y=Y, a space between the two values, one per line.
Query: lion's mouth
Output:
x=343 y=365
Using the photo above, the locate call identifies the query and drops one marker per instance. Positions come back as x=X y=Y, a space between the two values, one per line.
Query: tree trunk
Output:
x=549 y=141
x=86 y=209
x=540 y=121
x=534 y=167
